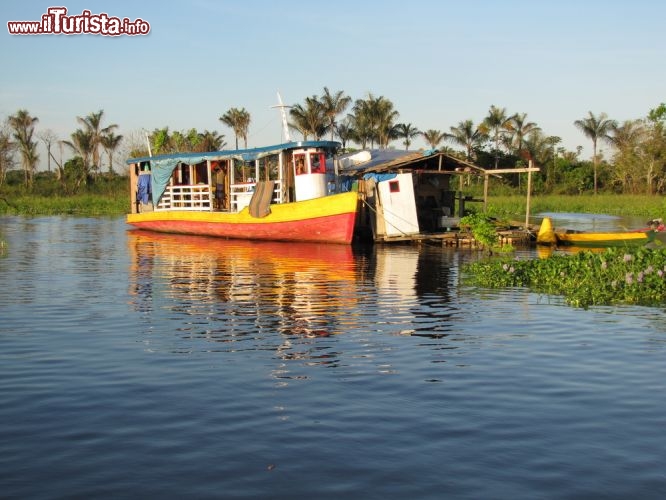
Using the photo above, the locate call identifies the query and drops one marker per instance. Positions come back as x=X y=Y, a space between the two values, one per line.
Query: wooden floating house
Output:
x=418 y=196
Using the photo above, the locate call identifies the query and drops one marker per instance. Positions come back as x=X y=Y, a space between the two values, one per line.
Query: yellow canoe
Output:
x=548 y=236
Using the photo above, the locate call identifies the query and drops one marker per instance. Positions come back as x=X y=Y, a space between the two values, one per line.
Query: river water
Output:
x=135 y=365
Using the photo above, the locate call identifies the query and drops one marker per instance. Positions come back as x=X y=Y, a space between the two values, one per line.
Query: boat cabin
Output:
x=226 y=180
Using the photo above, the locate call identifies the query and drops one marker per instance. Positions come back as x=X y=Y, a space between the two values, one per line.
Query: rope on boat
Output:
x=390 y=213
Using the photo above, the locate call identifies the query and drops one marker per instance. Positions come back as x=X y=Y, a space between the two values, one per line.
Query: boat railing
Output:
x=196 y=197
x=241 y=194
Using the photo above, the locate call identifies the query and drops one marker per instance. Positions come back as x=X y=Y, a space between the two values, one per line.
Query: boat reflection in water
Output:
x=294 y=288
x=290 y=299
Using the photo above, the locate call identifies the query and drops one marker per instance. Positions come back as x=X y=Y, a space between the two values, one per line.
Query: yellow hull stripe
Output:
x=338 y=204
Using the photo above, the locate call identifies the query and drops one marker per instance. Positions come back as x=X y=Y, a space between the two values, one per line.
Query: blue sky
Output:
x=439 y=62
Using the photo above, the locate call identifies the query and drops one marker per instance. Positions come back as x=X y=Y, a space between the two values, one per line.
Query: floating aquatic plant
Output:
x=615 y=276
x=485 y=232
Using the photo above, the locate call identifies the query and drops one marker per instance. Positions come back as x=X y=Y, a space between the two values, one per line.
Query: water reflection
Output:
x=415 y=284
x=298 y=289
x=240 y=293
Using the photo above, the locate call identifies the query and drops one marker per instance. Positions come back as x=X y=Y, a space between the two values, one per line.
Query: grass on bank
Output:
x=106 y=194
x=512 y=206
x=83 y=204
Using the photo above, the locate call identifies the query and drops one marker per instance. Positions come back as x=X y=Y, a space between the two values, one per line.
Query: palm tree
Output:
x=334 y=104
x=496 y=123
x=179 y=142
x=539 y=146
x=467 y=136
x=193 y=140
x=406 y=132
x=631 y=161
x=24 y=127
x=110 y=143
x=7 y=148
x=629 y=133
x=309 y=119
x=93 y=125
x=386 y=117
x=82 y=145
x=239 y=121
x=373 y=120
x=434 y=137
x=360 y=125
x=160 y=140
x=363 y=121
x=345 y=132
x=212 y=141
x=520 y=128
x=596 y=128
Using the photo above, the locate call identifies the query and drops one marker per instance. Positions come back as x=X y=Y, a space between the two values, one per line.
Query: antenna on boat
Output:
x=150 y=152
x=282 y=107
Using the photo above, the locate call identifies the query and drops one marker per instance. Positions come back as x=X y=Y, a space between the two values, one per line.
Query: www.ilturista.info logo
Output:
x=57 y=22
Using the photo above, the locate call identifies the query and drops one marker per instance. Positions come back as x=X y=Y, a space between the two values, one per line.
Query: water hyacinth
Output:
x=615 y=276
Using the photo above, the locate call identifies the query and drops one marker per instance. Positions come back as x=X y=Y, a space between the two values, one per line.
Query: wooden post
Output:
x=529 y=194
x=486 y=178
x=461 y=200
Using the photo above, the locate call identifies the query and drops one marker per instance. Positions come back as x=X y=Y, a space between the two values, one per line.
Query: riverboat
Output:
x=549 y=236
x=286 y=192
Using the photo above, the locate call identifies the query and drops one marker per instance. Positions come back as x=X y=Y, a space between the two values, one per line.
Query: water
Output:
x=151 y=366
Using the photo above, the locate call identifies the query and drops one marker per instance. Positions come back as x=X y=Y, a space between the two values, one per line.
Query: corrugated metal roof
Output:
x=383 y=160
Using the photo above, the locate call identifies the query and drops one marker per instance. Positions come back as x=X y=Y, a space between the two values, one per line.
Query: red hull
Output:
x=329 y=229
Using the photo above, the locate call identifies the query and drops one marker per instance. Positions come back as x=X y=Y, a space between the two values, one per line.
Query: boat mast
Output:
x=282 y=107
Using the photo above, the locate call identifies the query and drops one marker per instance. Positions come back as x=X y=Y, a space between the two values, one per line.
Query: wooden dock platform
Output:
x=463 y=239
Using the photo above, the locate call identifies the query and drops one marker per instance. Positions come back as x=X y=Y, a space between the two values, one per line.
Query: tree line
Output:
x=636 y=164
x=18 y=138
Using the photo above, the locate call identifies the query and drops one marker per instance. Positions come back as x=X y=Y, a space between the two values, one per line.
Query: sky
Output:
x=439 y=61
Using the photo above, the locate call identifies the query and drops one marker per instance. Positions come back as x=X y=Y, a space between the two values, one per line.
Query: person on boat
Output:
x=300 y=165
